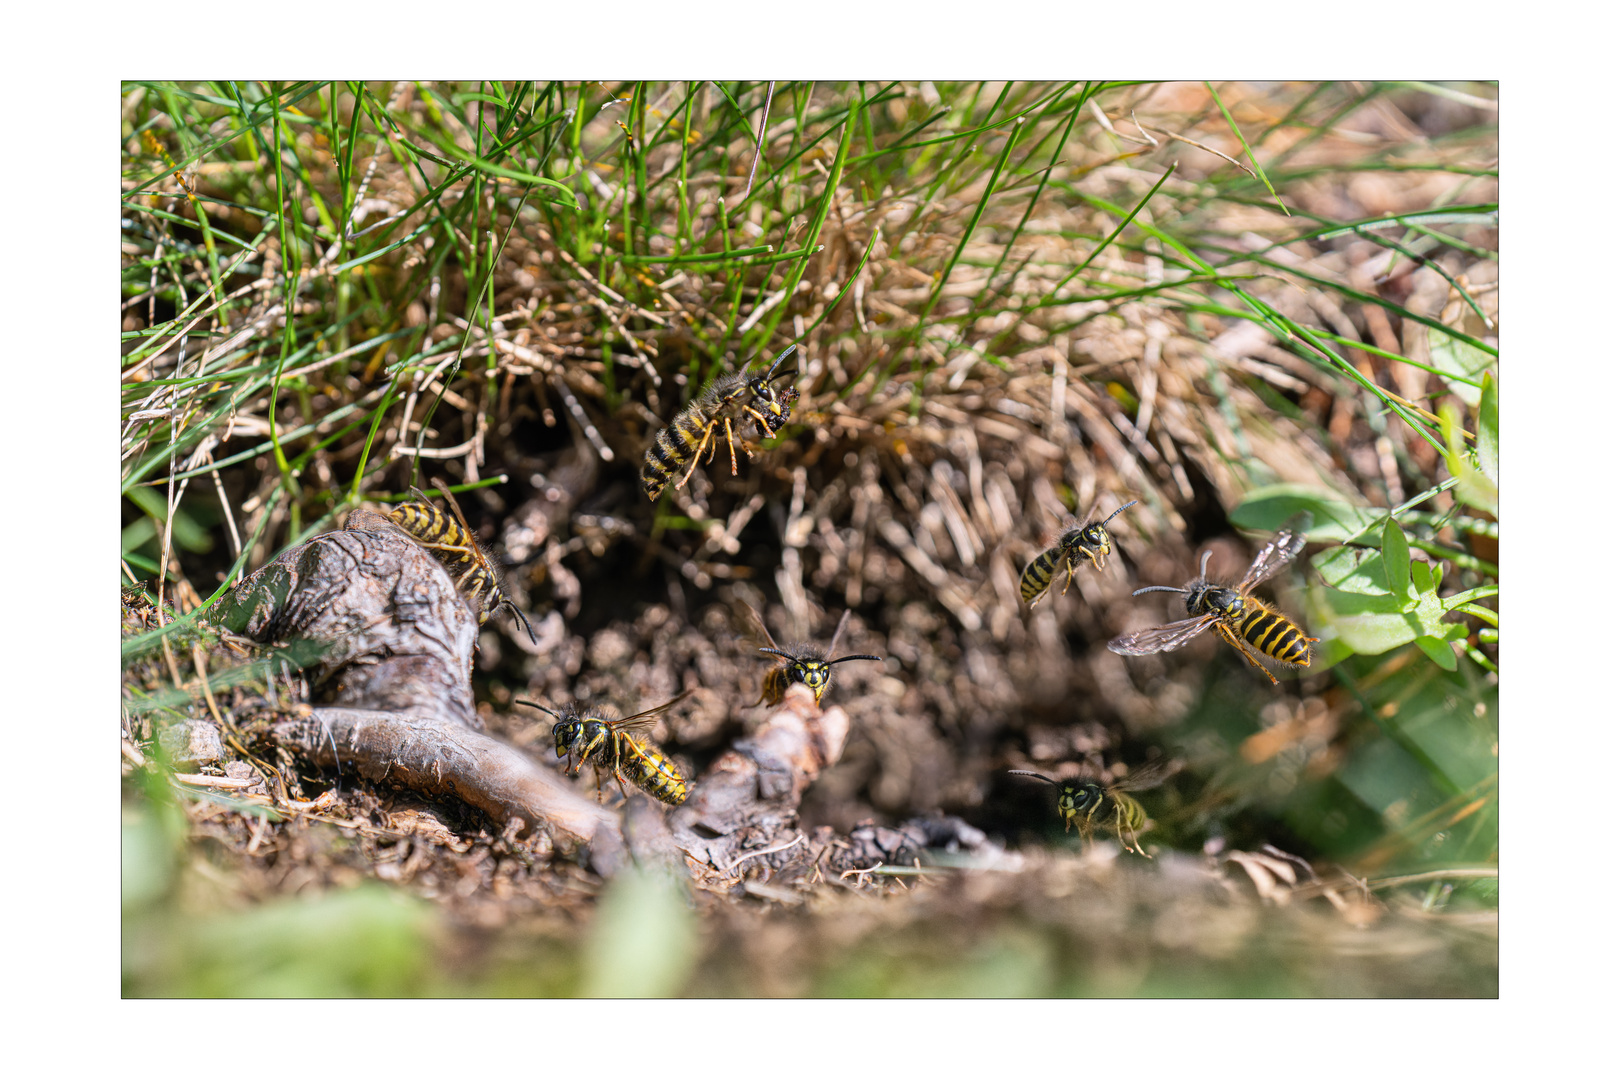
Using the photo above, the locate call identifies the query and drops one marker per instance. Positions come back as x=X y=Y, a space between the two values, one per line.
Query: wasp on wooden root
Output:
x=806 y=664
x=455 y=545
x=740 y=397
x=1236 y=617
x=583 y=735
x=1080 y=800
x=1091 y=540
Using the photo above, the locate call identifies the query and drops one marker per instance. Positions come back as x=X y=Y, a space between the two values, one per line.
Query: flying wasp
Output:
x=1091 y=540
x=739 y=397
x=1080 y=800
x=1236 y=617
x=806 y=664
x=583 y=735
x=455 y=545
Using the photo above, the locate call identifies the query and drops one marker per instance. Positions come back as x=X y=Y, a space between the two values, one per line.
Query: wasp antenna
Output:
x=861 y=656
x=1203 y=564
x=1036 y=775
x=1118 y=512
x=779 y=652
x=536 y=705
x=832 y=645
x=520 y=618
x=777 y=362
x=1157 y=588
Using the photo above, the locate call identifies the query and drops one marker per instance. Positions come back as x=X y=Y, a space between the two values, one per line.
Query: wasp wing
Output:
x=760 y=620
x=1272 y=558
x=1157 y=639
x=642 y=719
x=832 y=646
x=1143 y=777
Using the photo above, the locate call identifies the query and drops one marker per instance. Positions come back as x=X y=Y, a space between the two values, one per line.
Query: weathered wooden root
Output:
x=388 y=644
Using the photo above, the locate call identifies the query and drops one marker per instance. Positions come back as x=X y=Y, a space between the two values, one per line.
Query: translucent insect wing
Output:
x=1157 y=639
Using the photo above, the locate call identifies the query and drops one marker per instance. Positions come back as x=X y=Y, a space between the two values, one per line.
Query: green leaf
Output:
x=1397 y=560
x=1353 y=570
x=1371 y=633
x=1488 y=442
x=1267 y=508
x=1474 y=488
x=1438 y=651
x=1464 y=364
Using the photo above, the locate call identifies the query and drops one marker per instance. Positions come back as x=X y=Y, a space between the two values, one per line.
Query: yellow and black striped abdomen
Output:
x=429 y=524
x=674 y=448
x=1273 y=634
x=1037 y=577
x=651 y=770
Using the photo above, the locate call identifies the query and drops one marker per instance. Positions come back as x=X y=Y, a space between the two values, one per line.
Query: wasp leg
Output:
x=1070 y=580
x=1126 y=834
x=1231 y=638
x=690 y=469
x=731 y=446
x=764 y=426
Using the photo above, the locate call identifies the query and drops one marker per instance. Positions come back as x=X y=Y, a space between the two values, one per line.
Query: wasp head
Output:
x=1206 y=599
x=1079 y=797
x=770 y=405
x=813 y=673
x=1096 y=543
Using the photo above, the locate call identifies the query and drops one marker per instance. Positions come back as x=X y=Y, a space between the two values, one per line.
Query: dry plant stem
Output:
x=392 y=660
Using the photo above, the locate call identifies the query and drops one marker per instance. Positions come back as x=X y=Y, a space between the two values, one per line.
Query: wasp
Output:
x=186 y=180
x=1236 y=617
x=1091 y=540
x=801 y=663
x=454 y=544
x=1080 y=800
x=739 y=397
x=582 y=735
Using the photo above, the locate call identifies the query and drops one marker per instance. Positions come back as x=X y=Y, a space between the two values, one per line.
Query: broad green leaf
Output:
x=1267 y=508
x=1438 y=651
x=1353 y=570
x=1474 y=488
x=1397 y=559
x=1462 y=361
x=1331 y=604
x=1488 y=441
x=1371 y=633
